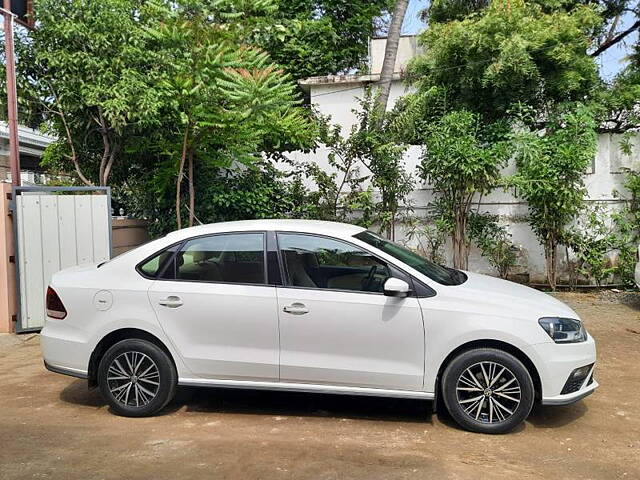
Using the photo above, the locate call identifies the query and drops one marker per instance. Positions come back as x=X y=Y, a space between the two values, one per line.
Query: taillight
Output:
x=55 y=307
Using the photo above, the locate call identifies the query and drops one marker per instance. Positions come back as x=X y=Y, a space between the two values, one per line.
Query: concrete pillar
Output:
x=7 y=269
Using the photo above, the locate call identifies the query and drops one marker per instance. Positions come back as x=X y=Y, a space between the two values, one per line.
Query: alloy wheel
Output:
x=133 y=379
x=488 y=392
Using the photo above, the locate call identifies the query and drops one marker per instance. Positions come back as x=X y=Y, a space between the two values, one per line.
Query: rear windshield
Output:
x=438 y=273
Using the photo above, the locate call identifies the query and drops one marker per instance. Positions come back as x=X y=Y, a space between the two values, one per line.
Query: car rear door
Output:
x=337 y=327
x=215 y=304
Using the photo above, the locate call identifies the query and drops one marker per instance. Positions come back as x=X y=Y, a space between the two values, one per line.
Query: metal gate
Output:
x=55 y=228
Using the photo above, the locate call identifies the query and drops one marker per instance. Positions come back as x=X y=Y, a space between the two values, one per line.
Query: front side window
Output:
x=442 y=275
x=320 y=262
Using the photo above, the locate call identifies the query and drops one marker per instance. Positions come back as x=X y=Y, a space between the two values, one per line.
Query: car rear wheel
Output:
x=136 y=378
x=487 y=390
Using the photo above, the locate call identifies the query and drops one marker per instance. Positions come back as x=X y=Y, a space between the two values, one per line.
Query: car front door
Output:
x=336 y=325
x=214 y=303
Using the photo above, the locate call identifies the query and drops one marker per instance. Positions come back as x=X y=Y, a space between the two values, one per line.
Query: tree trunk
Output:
x=183 y=157
x=551 y=253
x=192 y=192
x=459 y=239
x=390 y=53
x=104 y=179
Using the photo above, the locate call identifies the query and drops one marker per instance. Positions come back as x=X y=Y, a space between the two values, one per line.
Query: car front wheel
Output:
x=136 y=378
x=487 y=390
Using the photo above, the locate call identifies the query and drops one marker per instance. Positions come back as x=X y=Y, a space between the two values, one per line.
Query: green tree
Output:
x=374 y=143
x=320 y=37
x=87 y=68
x=495 y=60
x=550 y=175
x=226 y=98
x=461 y=160
x=511 y=53
x=338 y=189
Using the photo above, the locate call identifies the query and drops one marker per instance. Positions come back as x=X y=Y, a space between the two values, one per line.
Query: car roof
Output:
x=334 y=229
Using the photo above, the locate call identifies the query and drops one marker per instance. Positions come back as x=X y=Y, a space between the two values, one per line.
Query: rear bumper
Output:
x=64 y=349
x=65 y=371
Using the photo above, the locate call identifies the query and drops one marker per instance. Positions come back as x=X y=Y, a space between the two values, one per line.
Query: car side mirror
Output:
x=394 y=287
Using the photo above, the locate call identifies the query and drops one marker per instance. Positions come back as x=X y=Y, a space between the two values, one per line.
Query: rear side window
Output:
x=226 y=258
x=156 y=264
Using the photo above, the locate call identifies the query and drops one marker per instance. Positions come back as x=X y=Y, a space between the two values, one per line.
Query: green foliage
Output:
x=494 y=241
x=259 y=190
x=442 y=11
x=511 y=53
x=87 y=68
x=550 y=175
x=338 y=191
x=627 y=224
x=605 y=244
x=462 y=158
x=430 y=237
x=593 y=239
x=320 y=37
x=227 y=100
x=373 y=143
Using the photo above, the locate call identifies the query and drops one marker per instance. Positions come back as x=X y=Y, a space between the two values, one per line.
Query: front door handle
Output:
x=171 y=302
x=296 y=309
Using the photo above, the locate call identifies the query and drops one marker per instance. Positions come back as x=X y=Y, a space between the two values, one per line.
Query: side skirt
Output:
x=304 y=387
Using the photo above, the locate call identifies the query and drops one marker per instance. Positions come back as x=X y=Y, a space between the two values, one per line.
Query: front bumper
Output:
x=555 y=363
x=571 y=397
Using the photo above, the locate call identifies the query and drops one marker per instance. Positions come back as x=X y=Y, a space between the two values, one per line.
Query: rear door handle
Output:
x=171 y=302
x=296 y=309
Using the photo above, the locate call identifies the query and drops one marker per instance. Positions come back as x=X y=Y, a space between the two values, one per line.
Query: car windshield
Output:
x=438 y=273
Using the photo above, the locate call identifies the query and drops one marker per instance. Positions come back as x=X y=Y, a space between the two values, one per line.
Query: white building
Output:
x=32 y=144
x=336 y=96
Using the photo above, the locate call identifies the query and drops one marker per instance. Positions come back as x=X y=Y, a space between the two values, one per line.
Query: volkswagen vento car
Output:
x=314 y=307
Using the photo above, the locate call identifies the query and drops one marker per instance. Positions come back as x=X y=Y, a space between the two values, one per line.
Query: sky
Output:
x=610 y=62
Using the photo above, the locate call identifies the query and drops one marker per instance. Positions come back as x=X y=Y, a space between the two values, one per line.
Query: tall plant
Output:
x=461 y=160
x=89 y=70
x=227 y=99
x=550 y=175
x=383 y=156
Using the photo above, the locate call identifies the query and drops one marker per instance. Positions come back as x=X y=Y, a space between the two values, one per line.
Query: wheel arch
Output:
x=499 y=345
x=114 y=337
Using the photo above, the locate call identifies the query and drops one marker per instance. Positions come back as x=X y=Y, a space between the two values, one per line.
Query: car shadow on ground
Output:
x=262 y=402
x=557 y=416
x=298 y=404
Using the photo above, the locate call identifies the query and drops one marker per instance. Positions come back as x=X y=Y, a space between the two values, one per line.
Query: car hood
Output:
x=512 y=297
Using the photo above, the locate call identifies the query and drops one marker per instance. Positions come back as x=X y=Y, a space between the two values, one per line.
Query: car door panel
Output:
x=354 y=339
x=350 y=334
x=221 y=330
x=215 y=306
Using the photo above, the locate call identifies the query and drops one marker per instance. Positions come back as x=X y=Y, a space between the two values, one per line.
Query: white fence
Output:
x=54 y=232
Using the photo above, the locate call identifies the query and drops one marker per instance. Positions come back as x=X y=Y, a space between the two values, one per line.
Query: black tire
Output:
x=114 y=376
x=484 y=415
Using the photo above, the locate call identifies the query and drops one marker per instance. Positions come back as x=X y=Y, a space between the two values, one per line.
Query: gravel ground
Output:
x=51 y=426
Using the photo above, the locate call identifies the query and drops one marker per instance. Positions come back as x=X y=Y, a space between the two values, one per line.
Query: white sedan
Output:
x=315 y=307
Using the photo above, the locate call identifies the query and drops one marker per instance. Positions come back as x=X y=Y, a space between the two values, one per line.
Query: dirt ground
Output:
x=51 y=426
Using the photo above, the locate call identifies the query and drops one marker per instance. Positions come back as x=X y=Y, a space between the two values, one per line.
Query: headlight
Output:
x=564 y=330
